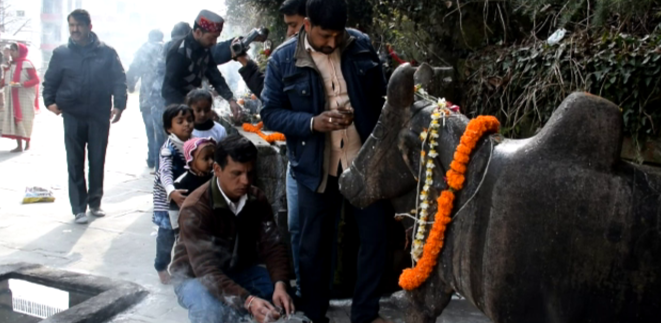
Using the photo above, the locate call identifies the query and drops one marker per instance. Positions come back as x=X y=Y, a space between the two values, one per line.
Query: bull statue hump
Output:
x=560 y=229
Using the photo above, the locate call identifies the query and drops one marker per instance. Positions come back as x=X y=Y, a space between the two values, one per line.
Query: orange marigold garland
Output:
x=412 y=278
x=276 y=136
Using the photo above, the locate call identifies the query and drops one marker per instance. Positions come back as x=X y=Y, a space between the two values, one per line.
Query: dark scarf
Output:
x=207 y=125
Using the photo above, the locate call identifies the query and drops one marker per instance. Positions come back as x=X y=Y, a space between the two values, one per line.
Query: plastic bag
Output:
x=38 y=195
x=556 y=37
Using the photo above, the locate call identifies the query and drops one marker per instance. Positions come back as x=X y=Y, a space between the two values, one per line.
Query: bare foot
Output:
x=27 y=145
x=18 y=149
x=164 y=276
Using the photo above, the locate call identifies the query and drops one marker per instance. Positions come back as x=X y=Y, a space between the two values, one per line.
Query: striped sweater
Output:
x=172 y=165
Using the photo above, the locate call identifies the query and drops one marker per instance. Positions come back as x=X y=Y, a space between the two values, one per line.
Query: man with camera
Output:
x=293 y=12
x=189 y=60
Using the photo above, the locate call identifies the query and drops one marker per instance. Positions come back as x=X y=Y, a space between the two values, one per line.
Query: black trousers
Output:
x=318 y=214
x=82 y=134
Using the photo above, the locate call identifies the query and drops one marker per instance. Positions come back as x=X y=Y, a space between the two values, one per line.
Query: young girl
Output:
x=200 y=101
x=198 y=153
x=178 y=123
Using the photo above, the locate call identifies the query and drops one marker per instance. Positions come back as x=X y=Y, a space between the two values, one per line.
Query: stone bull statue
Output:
x=560 y=229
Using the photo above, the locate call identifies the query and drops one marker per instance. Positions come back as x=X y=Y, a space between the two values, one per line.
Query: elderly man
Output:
x=226 y=231
x=83 y=81
x=189 y=60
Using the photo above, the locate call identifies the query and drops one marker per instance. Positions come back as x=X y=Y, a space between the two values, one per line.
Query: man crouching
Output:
x=226 y=231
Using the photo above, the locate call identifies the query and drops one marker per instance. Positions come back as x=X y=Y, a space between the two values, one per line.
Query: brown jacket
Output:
x=213 y=241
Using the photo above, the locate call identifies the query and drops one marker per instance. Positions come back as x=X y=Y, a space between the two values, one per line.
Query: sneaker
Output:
x=81 y=218
x=97 y=213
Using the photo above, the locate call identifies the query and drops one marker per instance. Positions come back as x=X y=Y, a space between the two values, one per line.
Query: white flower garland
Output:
x=440 y=112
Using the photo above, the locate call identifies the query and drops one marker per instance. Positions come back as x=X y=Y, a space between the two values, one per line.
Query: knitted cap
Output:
x=191 y=146
x=210 y=21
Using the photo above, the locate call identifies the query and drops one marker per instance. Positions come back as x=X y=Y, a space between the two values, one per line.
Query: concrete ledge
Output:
x=113 y=296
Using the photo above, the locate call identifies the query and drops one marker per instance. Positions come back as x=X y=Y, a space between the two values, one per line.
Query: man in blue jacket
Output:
x=324 y=90
x=83 y=80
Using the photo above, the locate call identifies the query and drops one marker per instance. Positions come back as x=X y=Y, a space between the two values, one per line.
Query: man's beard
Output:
x=325 y=49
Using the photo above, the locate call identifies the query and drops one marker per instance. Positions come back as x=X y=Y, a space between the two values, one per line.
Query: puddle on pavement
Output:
x=23 y=301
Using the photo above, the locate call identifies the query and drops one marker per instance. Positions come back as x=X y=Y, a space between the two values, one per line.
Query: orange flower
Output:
x=458 y=167
x=463 y=149
x=412 y=278
x=461 y=157
x=276 y=136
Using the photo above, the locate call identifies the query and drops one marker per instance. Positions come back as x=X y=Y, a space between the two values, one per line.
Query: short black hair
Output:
x=155 y=35
x=327 y=14
x=80 y=15
x=14 y=46
x=293 y=7
x=181 y=29
x=238 y=147
x=171 y=112
x=197 y=95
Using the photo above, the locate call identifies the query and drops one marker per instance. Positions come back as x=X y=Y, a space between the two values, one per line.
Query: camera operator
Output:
x=294 y=16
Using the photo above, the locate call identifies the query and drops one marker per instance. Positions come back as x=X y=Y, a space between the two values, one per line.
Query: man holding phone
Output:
x=324 y=90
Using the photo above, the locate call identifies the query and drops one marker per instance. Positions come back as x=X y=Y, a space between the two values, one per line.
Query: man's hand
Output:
x=263 y=311
x=115 y=115
x=243 y=59
x=236 y=110
x=333 y=120
x=281 y=298
x=53 y=108
x=178 y=196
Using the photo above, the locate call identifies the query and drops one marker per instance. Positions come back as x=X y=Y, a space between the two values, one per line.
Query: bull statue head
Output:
x=387 y=165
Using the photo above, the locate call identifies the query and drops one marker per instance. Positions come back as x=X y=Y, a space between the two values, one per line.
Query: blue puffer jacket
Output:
x=294 y=93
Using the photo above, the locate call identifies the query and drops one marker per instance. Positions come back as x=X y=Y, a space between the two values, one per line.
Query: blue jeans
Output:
x=164 y=244
x=293 y=222
x=159 y=133
x=152 y=150
x=203 y=307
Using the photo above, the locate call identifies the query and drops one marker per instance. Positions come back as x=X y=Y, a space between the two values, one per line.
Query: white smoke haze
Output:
x=122 y=24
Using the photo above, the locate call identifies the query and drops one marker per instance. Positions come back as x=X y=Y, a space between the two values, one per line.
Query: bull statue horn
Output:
x=400 y=87
x=424 y=75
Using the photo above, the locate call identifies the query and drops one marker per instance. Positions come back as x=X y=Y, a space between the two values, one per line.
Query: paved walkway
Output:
x=122 y=244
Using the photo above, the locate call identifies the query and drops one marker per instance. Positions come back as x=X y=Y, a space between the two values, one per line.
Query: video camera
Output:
x=240 y=48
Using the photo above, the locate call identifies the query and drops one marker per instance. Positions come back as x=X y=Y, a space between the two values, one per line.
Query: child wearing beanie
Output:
x=199 y=154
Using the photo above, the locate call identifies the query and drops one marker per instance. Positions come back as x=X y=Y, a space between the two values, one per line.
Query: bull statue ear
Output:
x=424 y=75
x=400 y=87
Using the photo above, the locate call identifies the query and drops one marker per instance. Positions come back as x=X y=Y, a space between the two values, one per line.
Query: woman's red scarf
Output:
x=22 y=57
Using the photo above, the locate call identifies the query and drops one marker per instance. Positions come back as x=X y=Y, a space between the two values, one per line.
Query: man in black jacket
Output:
x=189 y=60
x=83 y=80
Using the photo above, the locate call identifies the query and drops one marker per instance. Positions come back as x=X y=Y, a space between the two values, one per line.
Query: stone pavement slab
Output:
x=119 y=246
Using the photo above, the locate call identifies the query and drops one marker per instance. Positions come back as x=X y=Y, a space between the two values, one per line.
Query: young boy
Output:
x=178 y=123
x=201 y=101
